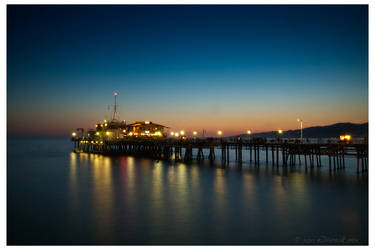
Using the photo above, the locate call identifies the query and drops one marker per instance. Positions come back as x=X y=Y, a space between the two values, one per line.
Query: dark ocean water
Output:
x=55 y=196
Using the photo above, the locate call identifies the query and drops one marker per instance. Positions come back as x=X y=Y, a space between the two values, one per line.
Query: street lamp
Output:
x=249 y=133
x=74 y=134
x=219 y=133
x=345 y=138
x=301 y=122
x=195 y=134
x=172 y=133
x=182 y=132
x=280 y=131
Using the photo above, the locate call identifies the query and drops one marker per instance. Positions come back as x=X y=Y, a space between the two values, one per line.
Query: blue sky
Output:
x=188 y=67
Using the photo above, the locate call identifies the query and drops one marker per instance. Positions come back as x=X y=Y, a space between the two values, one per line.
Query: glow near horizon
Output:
x=233 y=76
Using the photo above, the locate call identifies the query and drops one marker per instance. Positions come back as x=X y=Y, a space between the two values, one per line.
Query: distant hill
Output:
x=330 y=131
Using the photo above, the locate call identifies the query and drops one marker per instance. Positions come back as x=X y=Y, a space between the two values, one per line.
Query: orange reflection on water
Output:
x=194 y=173
x=73 y=171
x=102 y=196
x=220 y=194
x=157 y=182
x=181 y=172
x=300 y=191
x=280 y=195
x=249 y=193
x=130 y=174
x=158 y=210
x=220 y=185
x=73 y=187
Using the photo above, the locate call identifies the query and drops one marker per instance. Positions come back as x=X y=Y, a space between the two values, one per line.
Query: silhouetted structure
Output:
x=276 y=152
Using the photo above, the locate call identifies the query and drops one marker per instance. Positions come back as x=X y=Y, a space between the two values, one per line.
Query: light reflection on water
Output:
x=154 y=202
x=58 y=197
x=102 y=196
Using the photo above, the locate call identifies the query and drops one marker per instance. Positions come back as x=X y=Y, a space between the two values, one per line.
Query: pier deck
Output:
x=276 y=152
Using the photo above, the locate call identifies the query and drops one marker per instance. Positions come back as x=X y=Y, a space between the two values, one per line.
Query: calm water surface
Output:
x=55 y=196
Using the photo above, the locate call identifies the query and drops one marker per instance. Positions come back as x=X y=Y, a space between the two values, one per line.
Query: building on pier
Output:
x=120 y=130
x=116 y=129
x=110 y=130
x=145 y=129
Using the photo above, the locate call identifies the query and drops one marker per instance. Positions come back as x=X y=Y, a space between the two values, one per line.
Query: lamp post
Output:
x=219 y=133
x=249 y=133
x=280 y=131
x=195 y=134
x=301 y=125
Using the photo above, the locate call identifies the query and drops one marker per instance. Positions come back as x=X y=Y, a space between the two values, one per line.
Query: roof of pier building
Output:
x=146 y=123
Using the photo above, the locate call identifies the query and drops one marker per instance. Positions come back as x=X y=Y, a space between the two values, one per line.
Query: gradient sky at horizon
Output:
x=189 y=67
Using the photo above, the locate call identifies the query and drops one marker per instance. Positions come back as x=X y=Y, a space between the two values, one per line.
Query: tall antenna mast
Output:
x=115 y=108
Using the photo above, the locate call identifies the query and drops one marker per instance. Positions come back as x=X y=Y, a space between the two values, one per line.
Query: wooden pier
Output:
x=276 y=153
